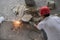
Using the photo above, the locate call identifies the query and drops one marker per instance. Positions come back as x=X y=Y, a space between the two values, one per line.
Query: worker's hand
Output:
x=35 y=25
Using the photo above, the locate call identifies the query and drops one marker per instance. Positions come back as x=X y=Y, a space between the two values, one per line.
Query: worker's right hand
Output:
x=35 y=25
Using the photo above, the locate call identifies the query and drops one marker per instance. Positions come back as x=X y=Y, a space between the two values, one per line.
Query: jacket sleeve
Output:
x=40 y=25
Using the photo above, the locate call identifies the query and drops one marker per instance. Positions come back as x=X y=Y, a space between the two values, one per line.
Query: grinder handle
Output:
x=32 y=23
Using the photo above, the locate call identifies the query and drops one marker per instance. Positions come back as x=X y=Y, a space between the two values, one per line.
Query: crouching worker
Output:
x=50 y=24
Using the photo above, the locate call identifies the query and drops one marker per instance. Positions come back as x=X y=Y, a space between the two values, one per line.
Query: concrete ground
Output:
x=7 y=5
x=25 y=33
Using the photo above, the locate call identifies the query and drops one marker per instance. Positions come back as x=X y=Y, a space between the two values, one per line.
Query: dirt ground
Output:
x=25 y=33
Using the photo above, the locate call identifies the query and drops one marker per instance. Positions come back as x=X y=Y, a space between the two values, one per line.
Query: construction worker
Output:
x=50 y=24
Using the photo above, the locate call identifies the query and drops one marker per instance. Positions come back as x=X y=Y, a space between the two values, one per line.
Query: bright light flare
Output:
x=17 y=24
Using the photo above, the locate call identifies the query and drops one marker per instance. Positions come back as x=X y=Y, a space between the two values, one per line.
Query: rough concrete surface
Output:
x=24 y=34
x=7 y=5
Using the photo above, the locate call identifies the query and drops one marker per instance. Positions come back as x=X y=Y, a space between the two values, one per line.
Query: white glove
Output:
x=2 y=19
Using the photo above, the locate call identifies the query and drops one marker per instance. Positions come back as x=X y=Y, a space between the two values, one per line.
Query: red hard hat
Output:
x=44 y=10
